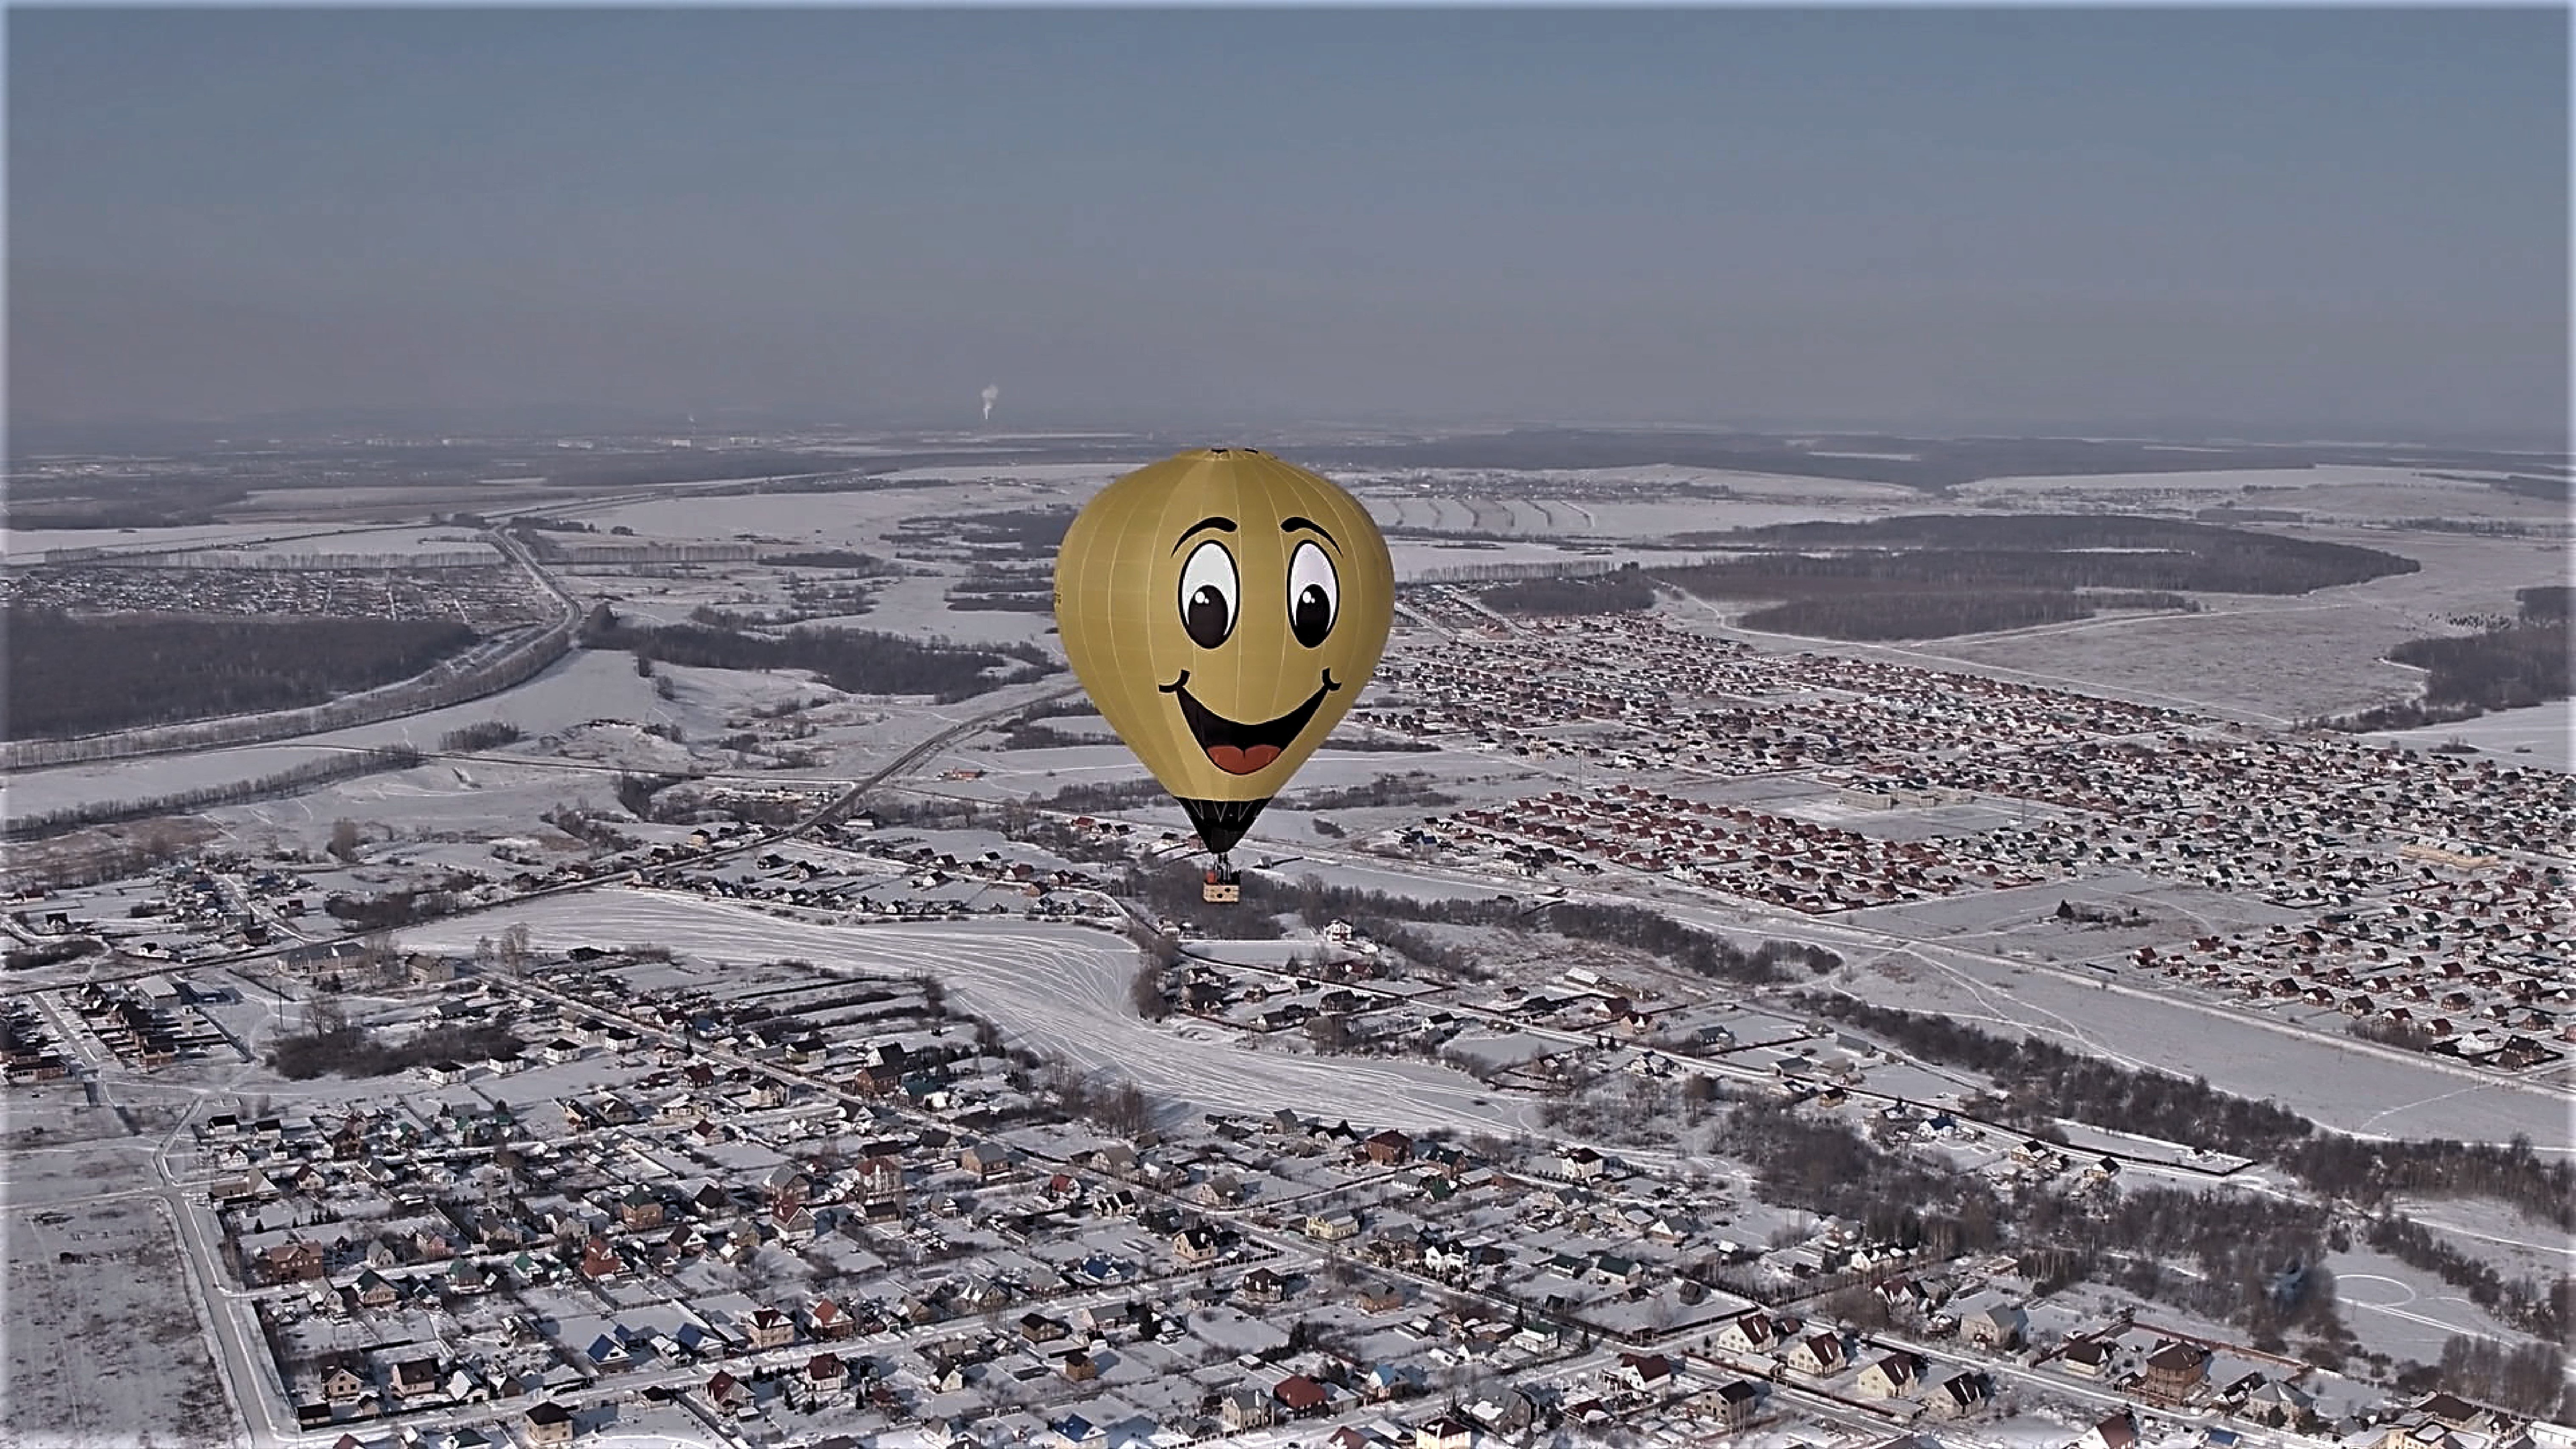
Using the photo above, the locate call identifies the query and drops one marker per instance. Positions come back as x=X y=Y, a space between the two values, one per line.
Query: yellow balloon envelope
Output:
x=1223 y=609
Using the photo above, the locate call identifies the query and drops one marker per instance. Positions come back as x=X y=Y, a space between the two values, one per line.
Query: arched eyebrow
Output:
x=1203 y=525
x=1290 y=525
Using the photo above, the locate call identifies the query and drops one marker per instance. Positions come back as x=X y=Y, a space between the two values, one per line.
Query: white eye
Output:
x=1314 y=594
x=1209 y=591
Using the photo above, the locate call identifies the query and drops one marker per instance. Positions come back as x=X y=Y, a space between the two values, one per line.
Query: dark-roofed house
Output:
x=1300 y=1395
x=2174 y=1372
x=549 y=1423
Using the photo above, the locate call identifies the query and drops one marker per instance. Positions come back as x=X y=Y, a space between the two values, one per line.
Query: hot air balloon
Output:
x=1223 y=610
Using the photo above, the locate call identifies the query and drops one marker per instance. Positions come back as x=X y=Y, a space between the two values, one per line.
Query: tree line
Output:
x=1621 y=591
x=858 y=661
x=1413 y=787
x=264 y=787
x=2041 y=1082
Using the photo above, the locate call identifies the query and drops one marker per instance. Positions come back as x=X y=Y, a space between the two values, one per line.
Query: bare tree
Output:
x=344 y=840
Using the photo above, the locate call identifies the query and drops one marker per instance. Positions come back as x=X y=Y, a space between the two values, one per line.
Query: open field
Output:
x=104 y=1347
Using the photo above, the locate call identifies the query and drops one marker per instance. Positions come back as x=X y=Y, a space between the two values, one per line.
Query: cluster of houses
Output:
x=1656 y=696
x=1817 y=869
x=942 y=884
x=488 y=599
x=27 y=1045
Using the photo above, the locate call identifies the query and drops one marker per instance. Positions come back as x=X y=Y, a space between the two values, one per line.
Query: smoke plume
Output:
x=992 y=395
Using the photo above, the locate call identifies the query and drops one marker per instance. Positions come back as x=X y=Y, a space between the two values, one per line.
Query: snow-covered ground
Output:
x=2543 y=734
x=2342 y=1088
x=1057 y=990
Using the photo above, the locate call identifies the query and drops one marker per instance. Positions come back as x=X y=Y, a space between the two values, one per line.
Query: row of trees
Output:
x=233 y=792
x=1413 y=787
x=2043 y=1082
x=2521 y=1302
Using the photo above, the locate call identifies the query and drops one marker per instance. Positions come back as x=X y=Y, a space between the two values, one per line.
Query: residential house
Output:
x=2119 y=1431
x=1449 y=1431
x=769 y=1328
x=1890 y=1377
x=2174 y=1372
x=1820 y=1354
x=1300 y=1396
x=1997 y=1328
x=1244 y=1409
x=549 y=1423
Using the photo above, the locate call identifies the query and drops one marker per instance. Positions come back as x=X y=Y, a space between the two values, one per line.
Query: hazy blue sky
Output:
x=2302 y=219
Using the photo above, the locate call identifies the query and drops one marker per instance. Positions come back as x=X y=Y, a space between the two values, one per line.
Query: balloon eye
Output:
x=1314 y=595
x=1208 y=592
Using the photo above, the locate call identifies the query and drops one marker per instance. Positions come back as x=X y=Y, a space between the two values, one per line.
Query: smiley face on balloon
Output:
x=1223 y=609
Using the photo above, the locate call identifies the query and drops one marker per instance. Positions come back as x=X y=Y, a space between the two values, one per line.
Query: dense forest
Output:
x=2520 y=662
x=72 y=676
x=351 y=1051
x=1934 y=575
x=859 y=661
x=1609 y=593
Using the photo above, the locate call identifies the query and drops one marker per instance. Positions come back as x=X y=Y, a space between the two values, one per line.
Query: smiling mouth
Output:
x=1244 y=749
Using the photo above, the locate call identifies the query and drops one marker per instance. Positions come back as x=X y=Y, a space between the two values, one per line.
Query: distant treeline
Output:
x=284 y=782
x=122 y=503
x=73 y=676
x=1027 y=533
x=2521 y=663
x=1610 y=593
x=856 y=660
x=1935 y=575
x=866 y=565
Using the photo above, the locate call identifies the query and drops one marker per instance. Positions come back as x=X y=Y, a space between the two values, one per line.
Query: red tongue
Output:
x=1237 y=761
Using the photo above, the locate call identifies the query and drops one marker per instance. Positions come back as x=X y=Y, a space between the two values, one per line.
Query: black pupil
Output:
x=1205 y=617
x=1312 y=619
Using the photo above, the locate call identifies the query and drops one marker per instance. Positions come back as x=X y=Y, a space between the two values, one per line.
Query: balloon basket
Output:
x=1221 y=887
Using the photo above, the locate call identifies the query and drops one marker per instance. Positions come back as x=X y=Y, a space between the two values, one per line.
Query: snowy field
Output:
x=123 y=1361
x=2342 y=1088
x=2542 y=735
x=2284 y=658
x=1061 y=991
